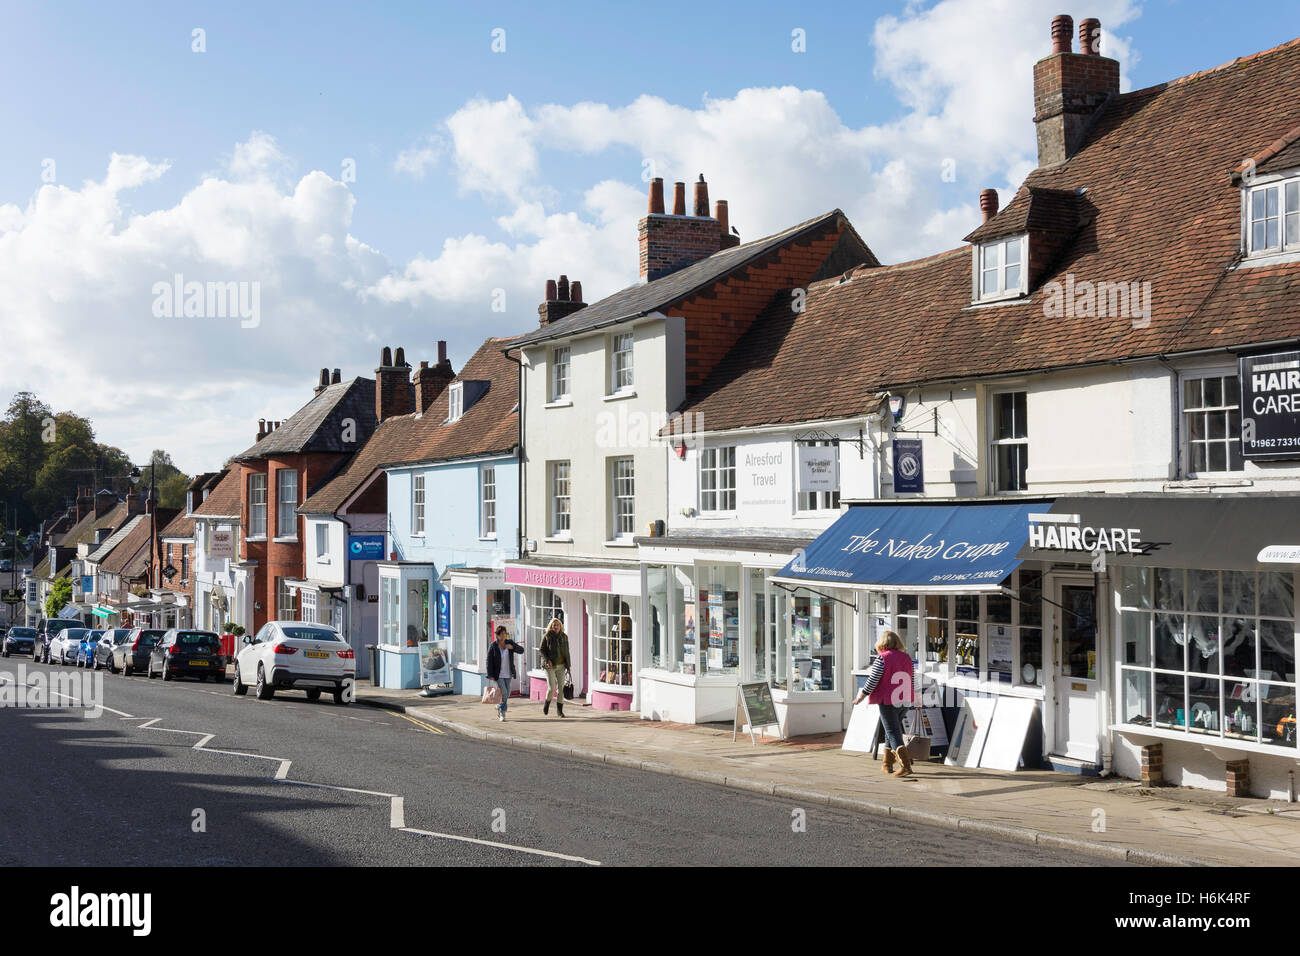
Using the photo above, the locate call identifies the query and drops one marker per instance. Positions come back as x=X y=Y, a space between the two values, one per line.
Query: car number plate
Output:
x=199 y=663
x=317 y=654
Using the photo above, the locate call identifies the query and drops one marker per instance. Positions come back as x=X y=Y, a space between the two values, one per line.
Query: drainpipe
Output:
x=521 y=533
x=347 y=582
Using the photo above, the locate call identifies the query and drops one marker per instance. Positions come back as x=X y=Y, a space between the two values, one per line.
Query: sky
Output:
x=393 y=174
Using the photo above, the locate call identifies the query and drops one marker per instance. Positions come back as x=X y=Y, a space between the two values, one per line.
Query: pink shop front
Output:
x=599 y=606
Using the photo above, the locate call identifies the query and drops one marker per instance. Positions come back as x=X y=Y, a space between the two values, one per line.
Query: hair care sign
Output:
x=1270 y=405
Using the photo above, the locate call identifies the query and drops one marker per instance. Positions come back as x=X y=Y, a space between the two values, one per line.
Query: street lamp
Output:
x=136 y=475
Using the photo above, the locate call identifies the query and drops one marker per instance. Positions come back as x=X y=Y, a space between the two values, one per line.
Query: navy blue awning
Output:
x=917 y=547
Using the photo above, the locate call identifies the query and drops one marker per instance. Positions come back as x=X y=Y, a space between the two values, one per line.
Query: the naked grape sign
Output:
x=1270 y=406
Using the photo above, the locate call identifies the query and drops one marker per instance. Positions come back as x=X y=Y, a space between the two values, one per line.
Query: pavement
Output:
x=1110 y=818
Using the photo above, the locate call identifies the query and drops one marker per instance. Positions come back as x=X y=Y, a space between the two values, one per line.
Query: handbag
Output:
x=568 y=686
x=492 y=694
x=917 y=745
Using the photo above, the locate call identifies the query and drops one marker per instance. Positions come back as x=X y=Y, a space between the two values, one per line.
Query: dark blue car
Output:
x=19 y=640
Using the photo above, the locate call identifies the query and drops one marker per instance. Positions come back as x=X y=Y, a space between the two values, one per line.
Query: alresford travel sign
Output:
x=1270 y=405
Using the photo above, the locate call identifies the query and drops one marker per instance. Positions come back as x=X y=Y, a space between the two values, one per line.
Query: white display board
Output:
x=931 y=721
x=1006 y=734
x=970 y=732
x=860 y=737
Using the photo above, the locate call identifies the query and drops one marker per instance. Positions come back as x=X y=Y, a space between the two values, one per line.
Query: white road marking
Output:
x=502 y=846
x=397 y=814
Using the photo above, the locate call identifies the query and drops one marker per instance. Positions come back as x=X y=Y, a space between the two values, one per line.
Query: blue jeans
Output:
x=891 y=718
x=504 y=684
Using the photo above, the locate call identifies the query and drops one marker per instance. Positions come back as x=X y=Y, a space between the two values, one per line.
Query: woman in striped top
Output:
x=889 y=686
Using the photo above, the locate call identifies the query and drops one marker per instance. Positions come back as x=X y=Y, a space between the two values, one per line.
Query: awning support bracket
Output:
x=825 y=597
x=817 y=436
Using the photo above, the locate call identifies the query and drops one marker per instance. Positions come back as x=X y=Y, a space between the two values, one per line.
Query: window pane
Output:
x=1136 y=627
x=1012 y=248
x=1203 y=593
x=1192 y=397
x=1217 y=456
x=1169 y=589
x=1136 y=590
x=1013 y=277
x=990 y=285
x=1276 y=650
x=1202 y=644
x=1204 y=711
x=1169 y=641
x=1238 y=647
x=1213 y=392
x=1270 y=233
x=1276 y=594
x=1232 y=390
x=1239 y=592
x=1171 y=705
x=1137 y=698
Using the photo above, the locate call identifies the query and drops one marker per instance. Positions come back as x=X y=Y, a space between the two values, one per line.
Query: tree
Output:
x=72 y=463
x=59 y=597
x=23 y=451
x=171 y=481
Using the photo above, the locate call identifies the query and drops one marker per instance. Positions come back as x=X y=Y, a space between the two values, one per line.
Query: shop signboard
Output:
x=435 y=663
x=221 y=544
x=444 y=613
x=755 y=708
x=366 y=547
x=1000 y=652
x=908 y=467
x=818 y=468
x=1270 y=405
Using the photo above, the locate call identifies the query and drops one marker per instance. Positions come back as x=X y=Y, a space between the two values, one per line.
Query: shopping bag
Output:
x=568 y=686
x=492 y=694
x=917 y=745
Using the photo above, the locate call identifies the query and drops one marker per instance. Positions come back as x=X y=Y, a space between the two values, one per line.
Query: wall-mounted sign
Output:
x=908 y=467
x=221 y=544
x=1270 y=405
x=444 y=613
x=1066 y=532
x=818 y=468
x=560 y=580
x=366 y=547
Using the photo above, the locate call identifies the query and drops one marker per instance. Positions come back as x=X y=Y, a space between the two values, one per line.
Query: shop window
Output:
x=812 y=642
x=718 y=479
x=1210 y=653
x=417 y=612
x=719 y=618
x=656 y=628
x=464 y=626
x=966 y=633
x=908 y=624
x=1010 y=447
x=612 y=627
x=937 y=651
x=1211 y=424
x=545 y=606
x=1029 y=630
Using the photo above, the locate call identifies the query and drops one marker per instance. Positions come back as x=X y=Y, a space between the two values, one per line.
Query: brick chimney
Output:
x=85 y=502
x=392 y=385
x=105 y=501
x=989 y=203
x=561 y=300
x=1070 y=89
x=430 y=382
x=324 y=381
x=670 y=242
x=134 y=504
x=334 y=379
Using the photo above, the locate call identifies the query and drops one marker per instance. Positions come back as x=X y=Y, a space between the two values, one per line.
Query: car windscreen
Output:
x=53 y=627
x=75 y=634
x=311 y=634
x=120 y=635
x=198 y=639
x=26 y=632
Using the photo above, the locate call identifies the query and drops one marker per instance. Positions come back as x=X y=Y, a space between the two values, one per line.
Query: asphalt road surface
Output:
x=186 y=773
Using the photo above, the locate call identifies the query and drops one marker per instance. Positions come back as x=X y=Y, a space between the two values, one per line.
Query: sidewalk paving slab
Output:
x=1113 y=820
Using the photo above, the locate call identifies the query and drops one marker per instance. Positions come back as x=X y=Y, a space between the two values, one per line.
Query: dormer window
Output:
x=1273 y=217
x=455 y=401
x=1000 y=269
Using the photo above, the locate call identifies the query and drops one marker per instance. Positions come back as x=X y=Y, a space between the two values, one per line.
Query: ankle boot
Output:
x=546 y=707
x=904 y=763
x=889 y=761
x=559 y=707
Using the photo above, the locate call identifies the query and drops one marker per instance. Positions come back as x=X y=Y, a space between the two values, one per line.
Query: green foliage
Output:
x=58 y=597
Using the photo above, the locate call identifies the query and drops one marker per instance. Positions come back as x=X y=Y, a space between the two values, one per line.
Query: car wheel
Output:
x=4 y=653
x=338 y=696
x=112 y=666
x=313 y=693
x=165 y=674
x=240 y=688
x=264 y=690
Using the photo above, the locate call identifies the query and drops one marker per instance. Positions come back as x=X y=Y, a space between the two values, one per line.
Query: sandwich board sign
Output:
x=755 y=708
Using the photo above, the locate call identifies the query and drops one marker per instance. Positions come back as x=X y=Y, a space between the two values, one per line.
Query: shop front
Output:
x=477 y=601
x=973 y=615
x=600 y=607
x=1197 y=629
x=405 y=593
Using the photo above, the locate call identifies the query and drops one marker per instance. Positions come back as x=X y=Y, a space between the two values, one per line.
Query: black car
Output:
x=184 y=651
x=132 y=655
x=19 y=640
x=103 y=656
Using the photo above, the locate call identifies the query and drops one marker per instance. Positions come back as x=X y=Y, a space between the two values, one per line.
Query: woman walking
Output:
x=501 y=666
x=554 y=652
x=889 y=685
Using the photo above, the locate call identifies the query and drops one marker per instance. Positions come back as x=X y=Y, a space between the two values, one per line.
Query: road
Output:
x=185 y=773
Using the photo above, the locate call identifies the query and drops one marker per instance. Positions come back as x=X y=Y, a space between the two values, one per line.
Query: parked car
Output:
x=132 y=655
x=86 y=649
x=19 y=640
x=289 y=655
x=187 y=651
x=46 y=632
x=103 y=656
x=64 y=645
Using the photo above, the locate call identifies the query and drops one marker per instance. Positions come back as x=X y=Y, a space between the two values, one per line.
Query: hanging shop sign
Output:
x=818 y=468
x=366 y=547
x=908 y=467
x=221 y=544
x=1270 y=405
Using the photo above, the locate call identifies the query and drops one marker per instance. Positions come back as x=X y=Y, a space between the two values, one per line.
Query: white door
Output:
x=1075 y=674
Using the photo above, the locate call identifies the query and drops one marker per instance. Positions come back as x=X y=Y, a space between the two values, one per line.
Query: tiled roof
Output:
x=134 y=547
x=113 y=540
x=182 y=526
x=648 y=297
x=1163 y=211
x=223 y=501
x=1035 y=210
x=83 y=532
x=488 y=426
x=42 y=567
x=318 y=425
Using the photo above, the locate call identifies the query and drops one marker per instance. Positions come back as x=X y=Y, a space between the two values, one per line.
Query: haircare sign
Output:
x=1270 y=405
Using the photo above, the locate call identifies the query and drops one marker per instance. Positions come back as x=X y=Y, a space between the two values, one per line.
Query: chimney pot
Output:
x=702 y=197
x=656 y=206
x=1062 y=28
x=562 y=288
x=989 y=203
x=720 y=213
x=323 y=381
x=399 y=358
x=575 y=291
x=423 y=365
x=551 y=294
x=442 y=351
x=334 y=379
x=386 y=357
x=679 y=199
x=1090 y=36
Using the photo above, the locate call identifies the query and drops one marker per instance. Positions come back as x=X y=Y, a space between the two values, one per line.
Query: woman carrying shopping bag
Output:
x=889 y=686
x=554 y=653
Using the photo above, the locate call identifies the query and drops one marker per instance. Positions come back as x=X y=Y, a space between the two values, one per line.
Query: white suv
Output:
x=294 y=655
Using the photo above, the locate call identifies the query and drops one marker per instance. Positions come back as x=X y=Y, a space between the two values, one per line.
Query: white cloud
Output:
x=420 y=158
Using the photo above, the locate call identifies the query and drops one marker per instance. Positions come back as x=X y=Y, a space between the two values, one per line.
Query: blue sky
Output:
x=520 y=181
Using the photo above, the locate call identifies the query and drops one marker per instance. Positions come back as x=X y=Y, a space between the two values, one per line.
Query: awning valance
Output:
x=953 y=547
